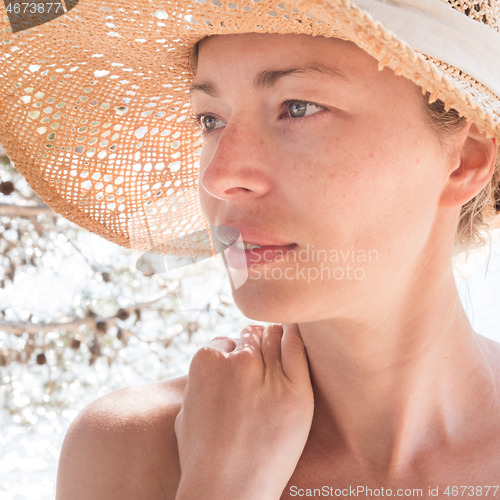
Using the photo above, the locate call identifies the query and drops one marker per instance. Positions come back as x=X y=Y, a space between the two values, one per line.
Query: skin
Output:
x=379 y=381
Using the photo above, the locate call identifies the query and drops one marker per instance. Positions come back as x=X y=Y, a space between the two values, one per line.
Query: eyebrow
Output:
x=269 y=78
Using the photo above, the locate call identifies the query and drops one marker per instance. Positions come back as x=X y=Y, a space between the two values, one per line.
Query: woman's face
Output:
x=306 y=140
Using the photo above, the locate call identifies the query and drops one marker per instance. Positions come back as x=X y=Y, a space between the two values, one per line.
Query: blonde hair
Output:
x=472 y=230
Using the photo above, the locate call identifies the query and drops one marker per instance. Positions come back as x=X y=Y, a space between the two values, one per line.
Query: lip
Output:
x=238 y=259
x=229 y=233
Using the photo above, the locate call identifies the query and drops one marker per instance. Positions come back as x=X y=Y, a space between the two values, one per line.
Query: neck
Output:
x=390 y=383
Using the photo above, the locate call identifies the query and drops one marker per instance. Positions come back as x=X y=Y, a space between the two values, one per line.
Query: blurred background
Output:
x=78 y=320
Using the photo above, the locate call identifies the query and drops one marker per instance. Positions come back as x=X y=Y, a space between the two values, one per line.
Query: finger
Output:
x=250 y=338
x=178 y=423
x=207 y=360
x=271 y=346
x=204 y=358
x=223 y=344
x=293 y=354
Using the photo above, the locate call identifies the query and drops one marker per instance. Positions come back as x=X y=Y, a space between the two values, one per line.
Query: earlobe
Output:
x=477 y=157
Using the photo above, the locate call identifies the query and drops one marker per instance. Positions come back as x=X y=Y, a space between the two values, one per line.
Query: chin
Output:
x=273 y=302
x=259 y=302
x=264 y=315
x=291 y=301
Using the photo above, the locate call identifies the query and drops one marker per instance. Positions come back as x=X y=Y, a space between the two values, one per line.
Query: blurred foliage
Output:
x=76 y=313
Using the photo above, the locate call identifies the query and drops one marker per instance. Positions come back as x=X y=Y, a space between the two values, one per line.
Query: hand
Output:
x=246 y=415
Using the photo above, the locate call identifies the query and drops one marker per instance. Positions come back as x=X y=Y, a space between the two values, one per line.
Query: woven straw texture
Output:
x=94 y=106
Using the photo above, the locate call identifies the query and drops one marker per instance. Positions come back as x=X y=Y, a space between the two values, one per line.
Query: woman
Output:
x=357 y=193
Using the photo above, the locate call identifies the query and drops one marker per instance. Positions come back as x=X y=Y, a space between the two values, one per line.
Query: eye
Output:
x=299 y=109
x=209 y=122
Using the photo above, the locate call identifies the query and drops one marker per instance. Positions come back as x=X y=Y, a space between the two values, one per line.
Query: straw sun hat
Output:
x=94 y=105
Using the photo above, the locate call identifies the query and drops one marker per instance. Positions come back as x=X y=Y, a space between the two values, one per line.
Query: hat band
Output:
x=436 y=29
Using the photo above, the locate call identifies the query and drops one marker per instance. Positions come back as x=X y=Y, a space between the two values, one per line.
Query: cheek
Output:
x=208 y=204
x=207 y=151
x=399 y=199
x=369 y=192
x=207 y=201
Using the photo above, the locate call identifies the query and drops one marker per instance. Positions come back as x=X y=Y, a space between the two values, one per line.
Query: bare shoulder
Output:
x=123 y=446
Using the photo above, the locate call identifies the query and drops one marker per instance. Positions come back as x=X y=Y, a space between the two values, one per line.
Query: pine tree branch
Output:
x=24 y=209
x=18 y=327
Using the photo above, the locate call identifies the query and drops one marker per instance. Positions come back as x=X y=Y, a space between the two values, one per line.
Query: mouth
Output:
x=247 y=238
x=243 y=245
x=246 y=255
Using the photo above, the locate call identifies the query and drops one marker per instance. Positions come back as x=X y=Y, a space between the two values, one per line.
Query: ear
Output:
x=472 y=168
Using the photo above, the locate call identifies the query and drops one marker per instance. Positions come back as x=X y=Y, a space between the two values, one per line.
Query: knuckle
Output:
x=252 y=330
x=252 y=334
x=272 y=334
x=275 y=329
x=220 y=337
x=246 y=364
x=245 y=357
x=227 y=343
x=204 y=359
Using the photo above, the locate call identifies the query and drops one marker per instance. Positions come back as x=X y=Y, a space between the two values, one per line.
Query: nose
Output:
x=238 y=165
